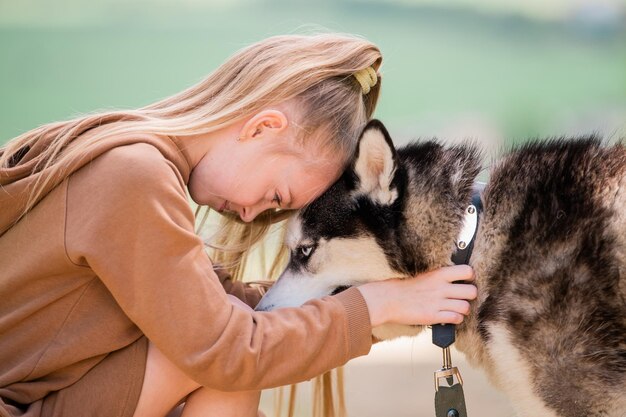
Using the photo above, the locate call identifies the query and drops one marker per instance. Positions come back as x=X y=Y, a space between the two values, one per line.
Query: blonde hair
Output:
x=318 y=70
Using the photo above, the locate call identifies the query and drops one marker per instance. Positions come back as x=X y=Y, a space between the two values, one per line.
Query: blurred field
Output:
x=447 y=71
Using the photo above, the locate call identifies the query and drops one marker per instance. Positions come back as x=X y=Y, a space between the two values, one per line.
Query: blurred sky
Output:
x=495 y=70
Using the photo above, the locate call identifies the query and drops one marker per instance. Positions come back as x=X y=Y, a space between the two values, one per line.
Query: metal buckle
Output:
x=447 y=373
x=468 y=229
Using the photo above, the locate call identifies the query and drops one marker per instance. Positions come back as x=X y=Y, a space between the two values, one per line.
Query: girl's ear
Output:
x=265 y=123
x=375 y=164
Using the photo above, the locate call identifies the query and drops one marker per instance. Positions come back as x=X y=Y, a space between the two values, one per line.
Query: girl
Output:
x=110 y=305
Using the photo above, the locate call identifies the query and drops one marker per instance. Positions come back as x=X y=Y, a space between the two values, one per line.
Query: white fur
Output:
x=512 y=375
x=354 y=261
x=393 y=331
x=334 y=263
x=293 y=234
x=293 y=290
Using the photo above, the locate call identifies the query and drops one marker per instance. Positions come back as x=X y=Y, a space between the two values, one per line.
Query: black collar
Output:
x=462 y=256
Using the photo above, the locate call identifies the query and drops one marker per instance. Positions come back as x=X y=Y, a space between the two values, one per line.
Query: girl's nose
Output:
x=248 y=214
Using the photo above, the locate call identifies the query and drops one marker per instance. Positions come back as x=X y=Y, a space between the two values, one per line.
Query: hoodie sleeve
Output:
x=128 y=219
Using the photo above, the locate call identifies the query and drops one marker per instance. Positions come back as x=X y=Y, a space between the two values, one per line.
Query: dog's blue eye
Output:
x=306 y=250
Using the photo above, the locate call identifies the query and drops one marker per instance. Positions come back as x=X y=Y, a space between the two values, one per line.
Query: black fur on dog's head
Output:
x=391 y=214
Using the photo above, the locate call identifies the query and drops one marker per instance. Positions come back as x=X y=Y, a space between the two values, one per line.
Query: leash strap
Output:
x=450 y=400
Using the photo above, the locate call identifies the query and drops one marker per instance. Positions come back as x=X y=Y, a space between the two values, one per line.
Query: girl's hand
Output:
x=429 y=298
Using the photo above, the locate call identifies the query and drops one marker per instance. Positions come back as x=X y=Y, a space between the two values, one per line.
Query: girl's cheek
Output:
x=201 y=190
x=204 y=177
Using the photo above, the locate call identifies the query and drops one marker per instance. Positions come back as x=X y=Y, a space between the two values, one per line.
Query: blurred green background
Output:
x=493 y=70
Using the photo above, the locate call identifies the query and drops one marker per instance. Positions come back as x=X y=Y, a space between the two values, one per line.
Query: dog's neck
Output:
x=434 y=186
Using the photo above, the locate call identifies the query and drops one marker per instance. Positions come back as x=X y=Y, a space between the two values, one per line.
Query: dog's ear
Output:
x=375 y=164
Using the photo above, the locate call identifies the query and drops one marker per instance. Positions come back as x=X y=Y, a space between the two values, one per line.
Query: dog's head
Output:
x=391 y=214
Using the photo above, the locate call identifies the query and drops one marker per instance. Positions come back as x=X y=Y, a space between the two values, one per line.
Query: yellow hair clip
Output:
x=367 y=78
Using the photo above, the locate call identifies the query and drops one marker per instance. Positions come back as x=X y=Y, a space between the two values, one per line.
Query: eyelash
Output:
x=277 y=199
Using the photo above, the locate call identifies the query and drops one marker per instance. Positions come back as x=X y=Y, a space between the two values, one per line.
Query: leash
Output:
x=450 y=399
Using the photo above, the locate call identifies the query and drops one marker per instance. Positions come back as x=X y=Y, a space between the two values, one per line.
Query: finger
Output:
x=462 y=273
x=462 y=291
x=455 y=273
x=449 y=317
x=457 y=306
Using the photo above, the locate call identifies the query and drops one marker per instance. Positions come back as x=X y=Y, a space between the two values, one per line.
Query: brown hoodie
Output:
x=108 y=256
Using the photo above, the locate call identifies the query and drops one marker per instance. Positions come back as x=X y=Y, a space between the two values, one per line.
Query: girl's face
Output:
x=260 y=168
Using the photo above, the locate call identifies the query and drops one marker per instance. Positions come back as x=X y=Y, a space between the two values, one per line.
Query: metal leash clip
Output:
x=447 y=371
x=449 y=399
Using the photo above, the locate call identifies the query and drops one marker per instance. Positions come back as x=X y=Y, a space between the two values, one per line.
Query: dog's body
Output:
x=549 y=324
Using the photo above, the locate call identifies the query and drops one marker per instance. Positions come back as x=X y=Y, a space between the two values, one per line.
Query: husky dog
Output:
x=549 y=257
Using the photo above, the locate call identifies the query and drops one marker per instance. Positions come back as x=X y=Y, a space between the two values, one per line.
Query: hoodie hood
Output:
x=17 y=181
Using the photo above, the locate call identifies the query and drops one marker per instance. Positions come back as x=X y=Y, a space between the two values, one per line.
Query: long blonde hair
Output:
x=318 y=70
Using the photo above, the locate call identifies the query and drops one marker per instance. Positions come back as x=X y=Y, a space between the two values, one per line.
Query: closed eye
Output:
x=277 y=199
